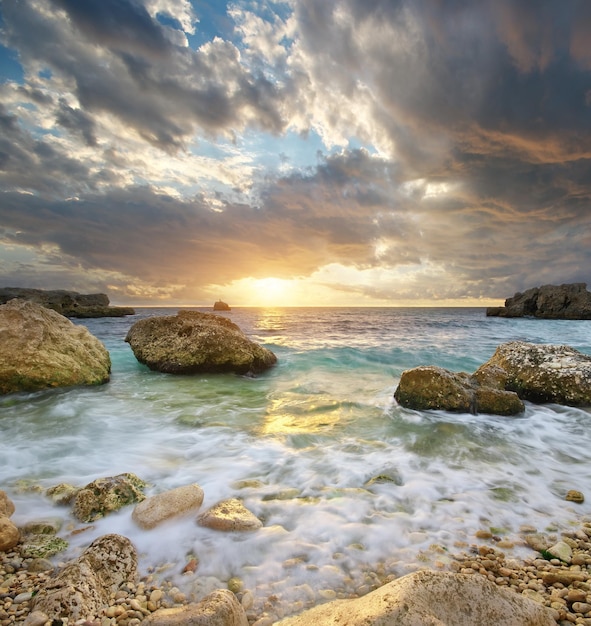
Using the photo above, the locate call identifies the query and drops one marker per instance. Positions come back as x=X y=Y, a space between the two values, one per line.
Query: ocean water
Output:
x=300 y=445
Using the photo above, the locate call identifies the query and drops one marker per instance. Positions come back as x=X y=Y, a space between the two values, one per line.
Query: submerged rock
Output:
x=427 y=597
x=83 y=587
x=542 y=373
x=192 y=342
x=105 y=495
x=42 y=349
x=429 y=387
x=572 y=302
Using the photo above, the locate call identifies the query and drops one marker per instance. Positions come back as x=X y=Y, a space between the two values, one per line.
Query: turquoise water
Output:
x=312 y=433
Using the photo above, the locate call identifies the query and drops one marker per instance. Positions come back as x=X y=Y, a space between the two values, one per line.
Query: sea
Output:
x=347 y=482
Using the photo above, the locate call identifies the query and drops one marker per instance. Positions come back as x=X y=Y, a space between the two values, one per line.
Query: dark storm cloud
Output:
x=480 y=113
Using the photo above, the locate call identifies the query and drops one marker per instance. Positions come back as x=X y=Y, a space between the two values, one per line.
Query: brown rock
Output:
x=192 y=342
x=6 y=504
x=9 y=534
x=84 y=587
x=42 y=349
x=229 y=515
x=160 y=507
x=220 y=608
x=430 y=598
x=575 y=496
x=542 y=373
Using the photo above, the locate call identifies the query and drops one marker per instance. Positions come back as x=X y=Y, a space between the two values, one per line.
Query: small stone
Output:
x=36 y=618
x=576 y=595
x=156 y=596
x=581 y=607
x=483 y=534
x=40 y=565
x=575 y=496
x=235 y=584
x=533 y=595
x=247 y=600
x=562 y=551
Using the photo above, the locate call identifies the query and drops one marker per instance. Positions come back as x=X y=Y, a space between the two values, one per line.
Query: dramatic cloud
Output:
x=376 y=151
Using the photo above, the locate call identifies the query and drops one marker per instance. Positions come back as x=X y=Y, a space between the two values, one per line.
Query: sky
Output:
x=298 y=152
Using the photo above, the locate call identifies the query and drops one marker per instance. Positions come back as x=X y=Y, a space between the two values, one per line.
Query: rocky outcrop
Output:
x=219 y=608
x=430 y=387
x=517 y=371
x=430 y=598
x=541 y=373
x=229 y=515
x=9 y=533
x=42 y=349
x=220 y=305
x=571 y=302
x=105 y=495
x=68 y=303
x=192 y=342
x=83 y=587
x=163 y=506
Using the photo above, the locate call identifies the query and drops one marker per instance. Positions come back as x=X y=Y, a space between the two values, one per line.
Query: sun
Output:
x=271 y=291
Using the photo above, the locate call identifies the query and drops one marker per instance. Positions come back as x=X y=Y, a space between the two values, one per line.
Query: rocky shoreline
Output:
x=563 y=586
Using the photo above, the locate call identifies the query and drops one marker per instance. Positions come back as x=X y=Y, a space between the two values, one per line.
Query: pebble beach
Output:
x=563 y=587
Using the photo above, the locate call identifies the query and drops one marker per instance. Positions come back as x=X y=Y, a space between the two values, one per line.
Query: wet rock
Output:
x=42 y=349
x=6 y=504
x=83 y=588
x=229 y=515
x=62 y=493
x=220 y=608
x=543 y=373
x=156 y=509
x=575 y=496
x=105 y=495
x=9 y=534
x=562 y=551
x=571 y=301
x=192 y=342
x=430 y=387
x=427 y=597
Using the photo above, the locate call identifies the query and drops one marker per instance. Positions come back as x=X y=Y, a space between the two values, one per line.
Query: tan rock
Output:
x=84 y=586
x=220 y=608
x=575 y=496
x=9 y=534
x=43 y=349
x=6 y=504
x=229 y=515
x=192 y=342
x=430 y=598
x=156 y=509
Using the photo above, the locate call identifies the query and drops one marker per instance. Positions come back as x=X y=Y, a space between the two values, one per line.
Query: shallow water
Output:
x=300 y=445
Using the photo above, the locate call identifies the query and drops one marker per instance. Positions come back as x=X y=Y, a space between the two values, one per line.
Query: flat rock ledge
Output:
x=570 y=302
x=430 y=598
x=192 y=342
x=42 y=349
x=517 y=371
x=68 y=303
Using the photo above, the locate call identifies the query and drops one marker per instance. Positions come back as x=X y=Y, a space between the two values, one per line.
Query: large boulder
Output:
x=541 y=373
x=192 y=342
x=430 y=387
x=430 y=598
x=163 y=506
x=105 y=495
x=42 y=349
x=84 y=586
x=219 y=608
x=68 y=303
x=572 y=302
x=9 y=533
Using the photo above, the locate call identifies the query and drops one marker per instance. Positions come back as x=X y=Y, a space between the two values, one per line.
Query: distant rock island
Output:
x=569 y=302
x=220 y=305
x=68 y=303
